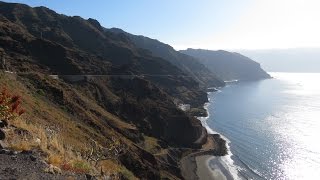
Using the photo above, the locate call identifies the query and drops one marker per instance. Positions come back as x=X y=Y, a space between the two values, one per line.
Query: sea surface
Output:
x=272 y=126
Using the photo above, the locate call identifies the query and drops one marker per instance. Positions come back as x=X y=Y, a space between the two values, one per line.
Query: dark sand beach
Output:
x=196 y=165
x=210 y=167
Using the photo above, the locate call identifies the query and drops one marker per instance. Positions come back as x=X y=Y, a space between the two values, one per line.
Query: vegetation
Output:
x=22 y=135
x=151 y=145
x=58 y=153
x=10 y=105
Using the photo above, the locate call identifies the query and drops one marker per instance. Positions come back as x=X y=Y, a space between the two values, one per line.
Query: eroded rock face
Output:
x=152 y=110
x=155 y=113
x=139 y=162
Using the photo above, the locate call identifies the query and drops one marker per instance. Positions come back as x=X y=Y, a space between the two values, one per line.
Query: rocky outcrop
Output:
x=228 y=65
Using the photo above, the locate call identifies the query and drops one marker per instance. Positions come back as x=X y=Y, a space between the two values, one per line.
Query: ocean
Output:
x=272 y=126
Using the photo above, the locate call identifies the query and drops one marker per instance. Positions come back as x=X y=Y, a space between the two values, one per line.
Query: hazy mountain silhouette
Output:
x=227 y=65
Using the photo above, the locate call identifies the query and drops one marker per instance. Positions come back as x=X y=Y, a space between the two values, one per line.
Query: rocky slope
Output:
x=72 y=45
x=229 y=66
x=90 y=87
x=187 y=64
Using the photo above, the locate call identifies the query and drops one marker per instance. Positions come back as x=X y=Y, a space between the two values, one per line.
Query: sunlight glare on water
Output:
x=301 y=126
x=273 y=125
x=301 y=83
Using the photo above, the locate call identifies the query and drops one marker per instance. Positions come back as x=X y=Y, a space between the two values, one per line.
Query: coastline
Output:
x=206 y=164
x=212 y=169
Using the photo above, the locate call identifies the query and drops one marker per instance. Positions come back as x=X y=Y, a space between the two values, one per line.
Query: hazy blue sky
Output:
x=209 y=24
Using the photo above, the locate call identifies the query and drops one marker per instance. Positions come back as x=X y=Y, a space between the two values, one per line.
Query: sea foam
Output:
x=226 y=160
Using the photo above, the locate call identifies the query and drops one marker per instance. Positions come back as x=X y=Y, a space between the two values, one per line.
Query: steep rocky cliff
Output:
x=229 y=66
x=187 y=64
x=93 y=86
x=89 y=49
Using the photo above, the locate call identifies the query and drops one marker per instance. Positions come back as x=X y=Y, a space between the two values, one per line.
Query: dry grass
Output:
x=113 y=168
x=56 y=150
x=151 y=144
x=127 y=174
x=109 y=167
x=21 y=146
x=20 y=137
x=62 y=138
x=77 y=166
x=51 y=144
x=54 y=159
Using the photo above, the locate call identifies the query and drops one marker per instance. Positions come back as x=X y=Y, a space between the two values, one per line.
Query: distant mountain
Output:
x=187 y=64
x=287 y=60
x=229 y=66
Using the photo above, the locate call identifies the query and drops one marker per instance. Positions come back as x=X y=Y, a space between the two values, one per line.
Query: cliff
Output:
x=97 y=94
x=185 y=63
x=229 y=66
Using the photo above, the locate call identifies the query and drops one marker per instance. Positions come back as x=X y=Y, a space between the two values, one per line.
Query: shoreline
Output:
x=212 y=169
x=205 y=164
x=199 y=165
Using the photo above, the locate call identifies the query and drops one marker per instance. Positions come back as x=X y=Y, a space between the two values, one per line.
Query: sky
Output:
x=206 y=24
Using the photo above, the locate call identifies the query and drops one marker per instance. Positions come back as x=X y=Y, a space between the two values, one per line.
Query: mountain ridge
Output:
x=184 y=62
x=229 y=65
x=52 y=56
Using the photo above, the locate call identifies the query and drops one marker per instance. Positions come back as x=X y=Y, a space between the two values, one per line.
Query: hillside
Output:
x=92 y=98
x=79 y=46
x=229 y=66
x=187 y=64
